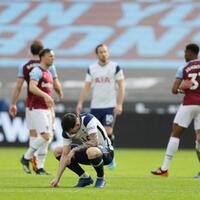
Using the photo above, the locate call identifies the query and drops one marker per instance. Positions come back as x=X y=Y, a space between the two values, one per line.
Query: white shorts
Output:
x=29 y=122
x=187 y=113
x=42 y=120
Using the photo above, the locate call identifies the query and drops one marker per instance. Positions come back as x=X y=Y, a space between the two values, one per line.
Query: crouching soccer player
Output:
x=95 y=150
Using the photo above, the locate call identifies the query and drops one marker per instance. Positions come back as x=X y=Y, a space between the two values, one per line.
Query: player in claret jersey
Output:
x=23 y=75
x=40 y=105
x=187 y=82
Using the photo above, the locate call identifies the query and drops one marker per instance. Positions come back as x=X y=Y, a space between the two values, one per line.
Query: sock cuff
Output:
x=174 y=140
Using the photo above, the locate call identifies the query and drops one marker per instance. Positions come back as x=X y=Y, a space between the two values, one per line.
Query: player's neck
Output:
x=43 y=66
x=103 y=63
x=35 y=57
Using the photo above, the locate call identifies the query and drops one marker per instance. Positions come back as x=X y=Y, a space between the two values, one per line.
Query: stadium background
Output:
x=146 y=38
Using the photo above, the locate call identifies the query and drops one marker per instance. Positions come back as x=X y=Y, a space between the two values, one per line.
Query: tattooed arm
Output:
x=91 y=142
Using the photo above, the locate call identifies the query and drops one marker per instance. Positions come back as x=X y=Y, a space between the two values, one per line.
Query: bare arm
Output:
x=121 y=94
x=91 y=142
x=62 y=165
x=38 y=92
x=16 y=93
x=58 y=89
x=84 y=93
x=175 y=86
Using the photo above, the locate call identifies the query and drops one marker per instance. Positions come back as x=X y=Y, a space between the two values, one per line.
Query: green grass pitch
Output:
x=131 y=180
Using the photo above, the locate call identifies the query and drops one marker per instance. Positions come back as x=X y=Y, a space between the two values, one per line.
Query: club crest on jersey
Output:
x=102 y=80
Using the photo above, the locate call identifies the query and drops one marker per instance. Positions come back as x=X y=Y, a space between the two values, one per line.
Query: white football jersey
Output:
x=103 y=81
x=89 y=124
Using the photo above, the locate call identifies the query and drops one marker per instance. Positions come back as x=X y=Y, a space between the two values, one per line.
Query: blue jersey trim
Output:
x=87 y=119
x=117 y=69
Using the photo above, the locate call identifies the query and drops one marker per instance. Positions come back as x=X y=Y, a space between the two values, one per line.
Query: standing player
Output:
x=23 y=75
x=41 y=104
x=95 y=150
x=187 y=82
x=103 y=76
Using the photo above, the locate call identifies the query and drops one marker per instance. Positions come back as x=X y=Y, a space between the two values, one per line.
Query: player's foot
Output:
x=82 y=182
x=41 y=171
x=25 y=164
x=198 y=175
x=160 y=172
x=34 y=164
x=112 y=165
x=100 y=182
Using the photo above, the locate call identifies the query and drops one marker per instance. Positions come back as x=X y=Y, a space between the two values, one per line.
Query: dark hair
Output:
x=36 y=47
x=194 y=48
x=97 y=47
x=43 y=52
x=69 y=121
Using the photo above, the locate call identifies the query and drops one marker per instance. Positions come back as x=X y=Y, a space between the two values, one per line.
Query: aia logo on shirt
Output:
x=102 y=80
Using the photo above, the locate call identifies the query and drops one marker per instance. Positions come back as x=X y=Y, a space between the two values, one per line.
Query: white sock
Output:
x=34 y=147
x=31 y=140
x=172 y=148
x=41 y=155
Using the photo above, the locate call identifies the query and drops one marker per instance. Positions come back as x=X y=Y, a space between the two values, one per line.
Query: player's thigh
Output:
x=80 y=157
x=108 y=117
x=184 y=116
x=42 y=120
x=197 y=119
x=28 y=117
x=97 y=113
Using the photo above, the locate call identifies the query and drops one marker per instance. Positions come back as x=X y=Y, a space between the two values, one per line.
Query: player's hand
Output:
x=54 y=182
x=49 y=101
x=118 y=109
x=59 y=98
x=185 y=84
x=13 y=110
x=79 y=108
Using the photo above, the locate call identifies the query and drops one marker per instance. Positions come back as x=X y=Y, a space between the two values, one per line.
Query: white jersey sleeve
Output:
x=91 y=126
x=88 y=77
x=119 y=73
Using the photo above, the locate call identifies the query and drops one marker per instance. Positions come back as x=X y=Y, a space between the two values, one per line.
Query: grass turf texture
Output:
x=130 y=180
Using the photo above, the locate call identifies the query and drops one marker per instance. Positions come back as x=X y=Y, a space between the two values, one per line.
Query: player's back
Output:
x=192 y=72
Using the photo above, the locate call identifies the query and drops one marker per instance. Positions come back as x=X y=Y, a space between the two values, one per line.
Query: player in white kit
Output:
x=106 y=79
x=96 y=148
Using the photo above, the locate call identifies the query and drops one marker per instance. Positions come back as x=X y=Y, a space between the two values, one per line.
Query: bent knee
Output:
x=93 y=152
x=58 y=151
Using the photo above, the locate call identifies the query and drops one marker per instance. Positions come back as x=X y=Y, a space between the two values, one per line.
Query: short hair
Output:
x=98 y=46
x=69 y=121
x=194 y=48
x=43 y=52
x=36 y=47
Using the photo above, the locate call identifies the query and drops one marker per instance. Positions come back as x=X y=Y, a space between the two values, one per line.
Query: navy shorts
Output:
x=104 y=115
x=81 y=157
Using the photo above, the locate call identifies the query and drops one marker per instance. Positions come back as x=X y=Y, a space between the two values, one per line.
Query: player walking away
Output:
x=23 y=75
x=104 y=76
x=41 y=104
x=96 y=148
x=187 y=82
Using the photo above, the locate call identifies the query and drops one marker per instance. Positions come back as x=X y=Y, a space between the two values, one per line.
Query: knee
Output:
x=93 y=152
x=198 y=136
x=48 y=137
x=57 y=151
x=109 y=130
